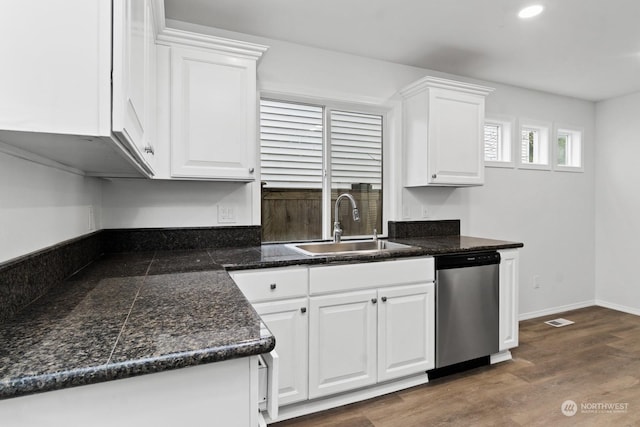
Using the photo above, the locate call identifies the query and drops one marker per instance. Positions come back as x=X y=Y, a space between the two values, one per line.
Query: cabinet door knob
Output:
x=272 y=286
x=384 y=299
x=303 y=310
x=374 y=300
x=149 y=150
x=434 y=176
x=251 y=170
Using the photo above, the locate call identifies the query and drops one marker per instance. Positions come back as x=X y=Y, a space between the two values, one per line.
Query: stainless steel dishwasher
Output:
x=467 y=307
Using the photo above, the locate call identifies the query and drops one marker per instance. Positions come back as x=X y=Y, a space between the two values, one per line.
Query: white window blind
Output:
x=491 y=142
x=291 y=144
x=356 y=149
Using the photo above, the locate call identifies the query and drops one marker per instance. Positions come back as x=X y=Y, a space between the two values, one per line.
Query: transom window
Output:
x=498 y=142
x=568 y=149
x=309 y=155
x=534 y=145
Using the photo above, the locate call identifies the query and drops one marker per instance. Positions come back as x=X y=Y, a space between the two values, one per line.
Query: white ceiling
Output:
x=588 y=49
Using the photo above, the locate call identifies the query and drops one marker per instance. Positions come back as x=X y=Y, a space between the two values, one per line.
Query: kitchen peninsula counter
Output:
x=134 y=313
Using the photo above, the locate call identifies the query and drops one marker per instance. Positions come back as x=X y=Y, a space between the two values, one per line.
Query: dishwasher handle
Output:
x=472 y=259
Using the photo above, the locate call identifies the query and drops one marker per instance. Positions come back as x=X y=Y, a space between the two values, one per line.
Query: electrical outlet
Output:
x=536 y=282
x=226 y=214
x=406 y=211
x=425 y=212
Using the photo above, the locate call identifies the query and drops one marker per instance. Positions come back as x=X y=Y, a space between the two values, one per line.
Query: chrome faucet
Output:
x=337 y=228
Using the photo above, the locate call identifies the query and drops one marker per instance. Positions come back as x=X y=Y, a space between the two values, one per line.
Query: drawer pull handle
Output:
x=272 y=286
x=303 y=310
x=384 y=299
x=374 y=300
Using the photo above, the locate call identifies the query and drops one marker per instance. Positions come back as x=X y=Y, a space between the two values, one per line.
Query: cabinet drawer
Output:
x=272 y=283
x=338 y=278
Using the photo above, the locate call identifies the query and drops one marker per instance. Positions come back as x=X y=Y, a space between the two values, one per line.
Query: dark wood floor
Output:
x=596 y=360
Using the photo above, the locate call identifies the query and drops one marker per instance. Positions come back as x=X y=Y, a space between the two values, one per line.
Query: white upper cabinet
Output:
x=443 y=128
x=56 y=87
x=211 y=87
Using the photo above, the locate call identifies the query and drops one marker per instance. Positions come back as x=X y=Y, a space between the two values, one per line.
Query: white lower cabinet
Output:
x=365 y=337
x=508 y=320
x=406 y=330
x=342 y=344
x=340 y=328
x=213 y=394
x=279 y=296
x=288 y=322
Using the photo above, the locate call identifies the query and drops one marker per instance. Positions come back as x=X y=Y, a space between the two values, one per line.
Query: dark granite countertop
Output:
x=126 y=315
x=129 y=314
x=280 y=255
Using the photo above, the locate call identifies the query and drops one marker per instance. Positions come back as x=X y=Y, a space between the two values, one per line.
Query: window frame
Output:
x=577 y=134
x=507 y=126
x=544 y=129
x=329 y=105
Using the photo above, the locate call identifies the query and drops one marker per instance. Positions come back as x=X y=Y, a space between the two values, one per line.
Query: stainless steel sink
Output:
x=348 y=247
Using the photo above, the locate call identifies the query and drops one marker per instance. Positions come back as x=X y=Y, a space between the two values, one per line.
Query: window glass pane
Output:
x=569 y=148
x=291 y=136
x=492 y=144
x=563 y=145
x=356 y=168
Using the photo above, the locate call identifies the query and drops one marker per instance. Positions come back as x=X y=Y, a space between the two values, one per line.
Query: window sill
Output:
x=494 y=164
x=534 y=166
x=574 y=169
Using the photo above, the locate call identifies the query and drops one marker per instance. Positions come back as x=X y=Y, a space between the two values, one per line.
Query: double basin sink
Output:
x=354 y=247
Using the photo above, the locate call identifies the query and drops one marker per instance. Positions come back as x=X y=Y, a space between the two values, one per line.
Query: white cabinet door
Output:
x=508 y=299
x=56 y=63
x=149 y=143
x=288 y=322
x=443 y=133
x=456 y=149
x=342 y=342
x=131 y=72
x=213 y=115
x=406 y=330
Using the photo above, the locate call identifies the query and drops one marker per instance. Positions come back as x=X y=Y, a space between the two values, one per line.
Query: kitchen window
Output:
x=568 y=150
x=309 y=155
x=498 y=142
x=534 y=145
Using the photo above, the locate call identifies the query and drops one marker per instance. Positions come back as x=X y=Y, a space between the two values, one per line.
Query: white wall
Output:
x=41 y=206
x=618 y=202
x=551 y=212
x=132 y=203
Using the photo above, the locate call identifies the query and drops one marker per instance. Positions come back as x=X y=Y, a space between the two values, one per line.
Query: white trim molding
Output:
x=436 y=82
x=226 y=46
x=618 y=307
x=555 y=310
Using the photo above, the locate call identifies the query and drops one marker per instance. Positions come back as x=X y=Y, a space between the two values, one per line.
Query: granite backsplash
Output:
x=411 y=229
x=26 y=278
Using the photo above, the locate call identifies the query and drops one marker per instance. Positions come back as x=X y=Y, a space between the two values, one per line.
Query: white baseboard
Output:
x=618 y=307
x=600 y=303
x=558 y=309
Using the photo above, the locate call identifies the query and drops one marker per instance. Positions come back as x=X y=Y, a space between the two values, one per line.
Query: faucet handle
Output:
x=375 y=235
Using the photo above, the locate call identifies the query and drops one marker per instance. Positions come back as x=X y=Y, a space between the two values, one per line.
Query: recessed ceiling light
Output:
x=530 y=11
